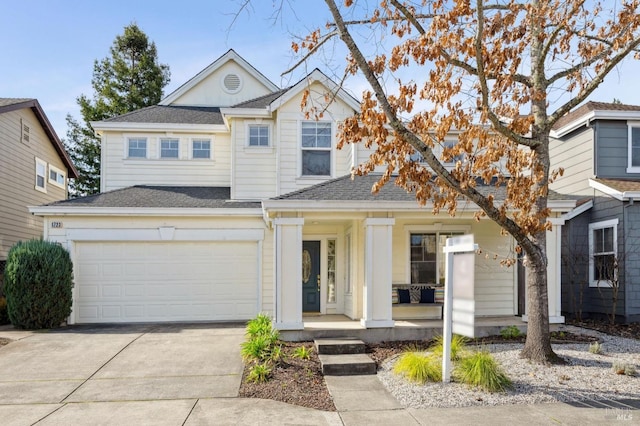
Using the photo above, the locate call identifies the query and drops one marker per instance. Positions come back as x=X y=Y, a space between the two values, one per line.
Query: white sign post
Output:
x=459 y=304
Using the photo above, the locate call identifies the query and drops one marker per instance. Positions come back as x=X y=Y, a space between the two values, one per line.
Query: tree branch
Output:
x=311 y=51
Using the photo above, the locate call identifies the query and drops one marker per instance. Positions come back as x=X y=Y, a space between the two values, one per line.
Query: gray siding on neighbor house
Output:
x=632 y=261
x=612 y=149
x=575 y=265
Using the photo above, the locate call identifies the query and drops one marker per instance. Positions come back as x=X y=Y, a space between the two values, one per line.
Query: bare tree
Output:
x=489 y=69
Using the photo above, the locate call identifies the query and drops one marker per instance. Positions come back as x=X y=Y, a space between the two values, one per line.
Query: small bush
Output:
x=302 y=352
x=458 y=347
x=4 y=316
x=259 y=373
x=259 y=325
x=38 y=283
x=419 y=367
x=511 y=332
x=481 y=370
x=596 y=348
x=624 y=368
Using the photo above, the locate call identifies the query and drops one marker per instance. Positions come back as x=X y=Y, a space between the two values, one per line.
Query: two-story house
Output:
x=598 y=145
x=34 y=168
x=226 y=200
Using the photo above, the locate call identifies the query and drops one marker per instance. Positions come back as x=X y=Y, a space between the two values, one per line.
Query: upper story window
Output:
x=41 y=175
x=416 y=156
x=137 y=148
x=169 y=148
x=56 y=176
x=316 y=148
x=603 y=244
x=259 y=135
x=201 y=148
x=634 y=148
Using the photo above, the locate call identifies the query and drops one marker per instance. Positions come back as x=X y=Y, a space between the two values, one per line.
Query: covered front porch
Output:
x=336 y=326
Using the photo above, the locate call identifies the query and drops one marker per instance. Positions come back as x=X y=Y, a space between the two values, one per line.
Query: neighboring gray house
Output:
x=598 y=145
x=34 y=169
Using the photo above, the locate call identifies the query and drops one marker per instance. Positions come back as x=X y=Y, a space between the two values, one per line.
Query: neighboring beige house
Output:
x=34 y=169
x=224 y=201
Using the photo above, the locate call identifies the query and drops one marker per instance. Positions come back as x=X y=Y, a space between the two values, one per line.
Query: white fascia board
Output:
x=561 y=205
x=594 y=115
x=618 y=195
x=315 y=76
x=140 y=211
x=578 y=210
x=230 y=55
x=100 y=126
x=246 y=112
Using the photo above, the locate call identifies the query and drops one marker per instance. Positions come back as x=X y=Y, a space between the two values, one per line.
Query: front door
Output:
x=311 y=276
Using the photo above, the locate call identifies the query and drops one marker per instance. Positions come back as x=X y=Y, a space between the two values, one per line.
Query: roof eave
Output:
x=141 y=211
x=594 y=115
x=246 y=112
x=618 y=195
x=100 y=126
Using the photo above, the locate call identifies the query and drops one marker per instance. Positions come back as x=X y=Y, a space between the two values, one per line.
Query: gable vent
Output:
x=231 y=83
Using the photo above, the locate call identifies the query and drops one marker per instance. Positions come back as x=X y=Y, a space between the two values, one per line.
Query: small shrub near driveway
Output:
x=38 y=283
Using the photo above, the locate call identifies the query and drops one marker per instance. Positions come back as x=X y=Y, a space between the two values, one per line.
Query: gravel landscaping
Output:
x=584 y=376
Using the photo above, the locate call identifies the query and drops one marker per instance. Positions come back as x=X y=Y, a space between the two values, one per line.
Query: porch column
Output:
x=377 y=273
x=288 y=271
x=554 y=273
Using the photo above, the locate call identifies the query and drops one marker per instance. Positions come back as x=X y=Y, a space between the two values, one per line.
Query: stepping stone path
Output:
x=344 y=357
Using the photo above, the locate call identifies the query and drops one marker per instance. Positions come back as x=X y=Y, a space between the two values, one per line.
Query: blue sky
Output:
x=47 y=47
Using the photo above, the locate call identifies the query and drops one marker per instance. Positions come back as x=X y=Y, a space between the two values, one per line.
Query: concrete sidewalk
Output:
x=190 y=375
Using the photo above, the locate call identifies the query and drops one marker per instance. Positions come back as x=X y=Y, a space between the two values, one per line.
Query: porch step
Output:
x=347 y=365
x=339 y=346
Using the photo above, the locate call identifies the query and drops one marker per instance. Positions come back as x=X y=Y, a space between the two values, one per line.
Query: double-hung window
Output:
x=169 y=148
x=633 y=165
x=56 y=176
x=259 y=135
x=603 y=241
x=41 y=175
x=417 y=157
x=137 y=148
x=427 y=259
x=316 y=148
x=201 y=148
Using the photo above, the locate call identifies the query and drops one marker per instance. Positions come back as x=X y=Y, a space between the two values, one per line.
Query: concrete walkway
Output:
x=190 y=375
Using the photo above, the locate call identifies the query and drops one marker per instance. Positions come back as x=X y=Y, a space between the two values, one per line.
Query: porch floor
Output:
x=328 y=326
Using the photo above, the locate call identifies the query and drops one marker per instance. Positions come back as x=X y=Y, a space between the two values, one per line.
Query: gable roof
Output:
x=13 y=104
x=231 y=55
x=150 y=196
x=620 y=189
x=594 y=111
x=262 y=101
x=176 y=114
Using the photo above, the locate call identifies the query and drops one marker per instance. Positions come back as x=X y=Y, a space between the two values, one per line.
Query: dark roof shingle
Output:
x=143 y=196
x=593 y=106
x=262 y=101
x=175 y=114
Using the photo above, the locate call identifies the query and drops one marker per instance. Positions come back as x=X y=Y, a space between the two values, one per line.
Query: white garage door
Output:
x=167 y=281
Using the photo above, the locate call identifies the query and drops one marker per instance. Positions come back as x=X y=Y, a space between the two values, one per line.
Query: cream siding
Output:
x=120 y=172
x=255 y=170
x=17 y=172
x=211 y=92
x=575 y=154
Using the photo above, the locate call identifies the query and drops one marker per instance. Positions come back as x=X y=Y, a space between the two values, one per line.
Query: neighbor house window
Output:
x=259 y=135
x=634 y=148
x=417 y=157
x=41 y=175
x=137 y=148
x=169 y=148
x=427 y=259
x=603 y=241
x=316 y=148
x=201 y=148
x=56 y=176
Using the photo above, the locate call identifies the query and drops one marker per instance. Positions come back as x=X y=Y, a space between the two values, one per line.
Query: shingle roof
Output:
x=262 y=101
x=171 y=114
x=13 y=101
x=621 y=185
x=359 y=189
x=593 y=106
x=144 y=196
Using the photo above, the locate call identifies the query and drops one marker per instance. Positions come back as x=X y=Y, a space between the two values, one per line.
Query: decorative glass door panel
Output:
x=311 y=276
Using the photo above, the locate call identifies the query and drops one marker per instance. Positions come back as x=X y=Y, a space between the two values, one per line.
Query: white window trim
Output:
x=127 y=138
x=612 y=223
x=630 y=126
x=169 y=138
x=200 y=138
x=438 y=150
x=58 y=172
x=330 y=149
x=248 y=137
x=428 y=229
x=45 y=177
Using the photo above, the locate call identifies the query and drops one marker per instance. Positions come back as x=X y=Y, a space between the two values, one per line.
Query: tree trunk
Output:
x=537 y=346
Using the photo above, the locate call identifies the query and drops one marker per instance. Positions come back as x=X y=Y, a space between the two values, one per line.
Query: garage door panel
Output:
x=168 y=281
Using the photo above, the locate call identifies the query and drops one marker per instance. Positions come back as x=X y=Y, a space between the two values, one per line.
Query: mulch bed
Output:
x=630 y=331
